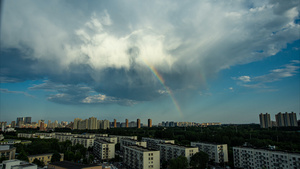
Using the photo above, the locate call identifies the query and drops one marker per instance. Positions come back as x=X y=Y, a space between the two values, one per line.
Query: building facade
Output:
x=8 y=151
x=46 y=158
x=131 y=142
x=152 y=143
x=169 y=151
x=216 y=152
x=104 y=150
x=265 y=120
x=149 y=122
x=244 y=157
x=137 y=157
x=286 y=119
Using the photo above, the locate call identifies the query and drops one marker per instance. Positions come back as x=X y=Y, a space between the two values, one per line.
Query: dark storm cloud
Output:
x=102 y=52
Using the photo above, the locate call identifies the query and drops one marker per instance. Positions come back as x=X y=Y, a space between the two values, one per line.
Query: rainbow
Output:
x=162 y=81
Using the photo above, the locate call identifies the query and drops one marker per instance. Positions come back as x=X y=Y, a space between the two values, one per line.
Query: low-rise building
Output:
x=216 y=152
x=1 y=137
x=137 y=157
x=169 y=151
x=46 y=158
x=104 y=150
x=8 y=151
x=10 y=142
x=71 y=165
x=131 y=142
x=246 y=157
x=63 y=136
x=45 y=134
x=26 y=135
x=152 y=143
x=17 y=164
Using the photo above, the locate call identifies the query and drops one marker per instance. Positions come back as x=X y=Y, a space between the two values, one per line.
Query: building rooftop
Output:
x=209 y=143
x=155 y=139
x=140 y=148
x=266 y=149
x=178 y=146
x=71 y=165
x=43 y=154
x=103 y=141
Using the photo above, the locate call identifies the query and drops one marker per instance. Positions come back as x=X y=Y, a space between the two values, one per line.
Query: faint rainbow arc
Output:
x=162 y=81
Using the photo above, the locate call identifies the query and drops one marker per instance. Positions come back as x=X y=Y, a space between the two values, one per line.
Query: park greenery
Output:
x=286 y=139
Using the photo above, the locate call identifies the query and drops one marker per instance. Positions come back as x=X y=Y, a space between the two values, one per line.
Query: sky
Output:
x=198 y=61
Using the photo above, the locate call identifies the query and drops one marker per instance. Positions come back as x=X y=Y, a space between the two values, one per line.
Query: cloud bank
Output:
x=102 y=52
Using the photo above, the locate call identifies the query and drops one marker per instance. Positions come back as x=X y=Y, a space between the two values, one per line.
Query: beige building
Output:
x=152 y=143
x=286 y=119
x=92 y=123
x=137 y=157
x=244 y=157
x=216 y=152
x=265 y=120
x=46 y=158
x=131 y=142
x=104 y=150
x=8 y=151
x=76 y=123
x=169 y=151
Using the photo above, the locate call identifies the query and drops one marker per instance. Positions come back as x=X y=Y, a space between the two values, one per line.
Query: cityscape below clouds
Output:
x=175 y=61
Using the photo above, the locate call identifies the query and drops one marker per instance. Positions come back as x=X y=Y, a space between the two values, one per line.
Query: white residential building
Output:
x=152 y=143
x=131 y=142
x=109 y=139
x=169 y=151
x=123 y=137
x=86 y=142
x=104 y=149
x=17 y=164
x=63 y=136
x=244 y=157
x=137 y=157
x=26 y=135
x=216 y=152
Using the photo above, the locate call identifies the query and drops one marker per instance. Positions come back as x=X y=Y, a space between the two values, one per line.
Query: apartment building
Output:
x=17 y=164
x=245 y=157
x=130 y=142
x=46 y=158
x=109 y=139
x=152 y=143
x=26 y=135
x=137 y=157
x=124 y=137
x=169 y=151
x=8 y=151
x=104 y=150
x=44 y=134
x=85 y=141
x=216 y=152
x=63 y=136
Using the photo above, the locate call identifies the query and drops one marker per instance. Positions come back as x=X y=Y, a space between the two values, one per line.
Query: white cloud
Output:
x=244 y=78
x=15 y=92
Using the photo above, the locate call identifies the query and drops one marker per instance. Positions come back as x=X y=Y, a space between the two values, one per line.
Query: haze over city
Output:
x=200 y=61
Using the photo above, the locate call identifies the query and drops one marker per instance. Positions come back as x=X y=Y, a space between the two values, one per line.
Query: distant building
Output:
x=149 y=122
x=8 y=151
x=265 y=120
x=104 y=150
x=244 y=157
x=169 y=151
x=152 y=143
x=42 y=125
x=286 y=119
x=46 y=158
x=109 y=139
x=126 y=123
x=13 y=124
x=137 y=157
x=17 y=164
x=27 y=120
x=115 y=123
x=85 y=141
x=76 y=123
x=123 y=137
x=216 y=152
x=92 y=123
x=138 y=121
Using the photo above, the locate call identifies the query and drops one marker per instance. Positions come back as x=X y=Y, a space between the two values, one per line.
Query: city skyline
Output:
x=178 y=61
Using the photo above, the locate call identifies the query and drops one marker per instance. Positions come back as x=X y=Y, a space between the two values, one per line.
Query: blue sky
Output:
x=199 y=61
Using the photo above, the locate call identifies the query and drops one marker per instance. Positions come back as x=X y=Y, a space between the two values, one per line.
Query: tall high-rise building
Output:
x=76 y=123
x=42 y=125
x=265 y=120
x=92 y=123
x=126 y=123
x=27 y=120
x=49 y=124
x=138 y=123
x=13 y=124
x=149 y=122
x=286 y=119
x=18 y=121
x=115 y=123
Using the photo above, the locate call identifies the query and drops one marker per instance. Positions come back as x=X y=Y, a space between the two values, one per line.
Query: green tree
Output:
x=23 y=156
x=38 y=162
x=199 y=160
x=3 y=158
x=91 y=158
x=179 y=162
x=55 y=157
